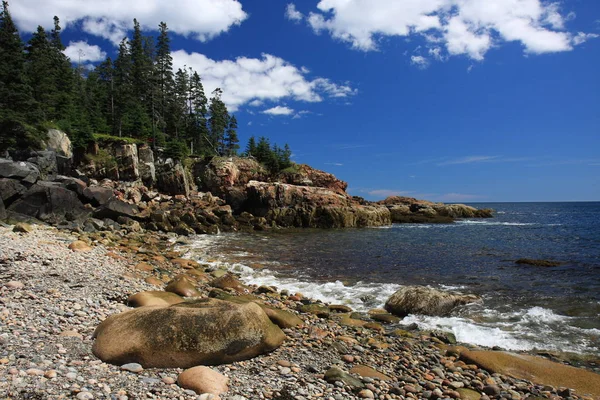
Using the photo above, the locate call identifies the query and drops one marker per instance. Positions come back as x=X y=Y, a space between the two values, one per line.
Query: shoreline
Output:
x=49 y=319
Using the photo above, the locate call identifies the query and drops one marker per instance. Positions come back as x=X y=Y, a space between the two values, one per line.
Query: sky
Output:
x=448 y=100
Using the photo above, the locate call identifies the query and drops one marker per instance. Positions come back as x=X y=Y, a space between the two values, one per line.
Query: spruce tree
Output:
x=61 y=102
x=218 y=122
x=39 y=67
x=16 y=99
x=231 y=138
x=199 y=121
x=123 y=88
x=251 y=147
x=163 y=71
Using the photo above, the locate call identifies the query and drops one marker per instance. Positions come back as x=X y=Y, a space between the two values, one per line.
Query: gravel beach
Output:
x=52 y=298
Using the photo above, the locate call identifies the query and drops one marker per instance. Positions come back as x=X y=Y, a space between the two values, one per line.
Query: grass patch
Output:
x=102 y=138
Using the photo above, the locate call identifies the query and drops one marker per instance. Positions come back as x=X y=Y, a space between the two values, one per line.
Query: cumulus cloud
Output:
x=256 y=80
x=292 y=14
x=110 y=19
x=279 y=110
x=81 y=51
x=461 y=27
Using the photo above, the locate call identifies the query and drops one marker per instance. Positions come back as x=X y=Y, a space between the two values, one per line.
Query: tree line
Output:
x=136 y=95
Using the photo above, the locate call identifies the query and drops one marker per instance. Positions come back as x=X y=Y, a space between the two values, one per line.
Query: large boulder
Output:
x=426 y=301
x=202 y=332
x=49 y=202
x=146 y=165
x=3 y=214
x=97 y=195
x=305 y=175
x=311 y=207
x=60 y=143
x=172 y=179
x=536 y=369
x=116 y=208
x=10 y=190
x=46 y=164
x=23 y=171
x=128 y=161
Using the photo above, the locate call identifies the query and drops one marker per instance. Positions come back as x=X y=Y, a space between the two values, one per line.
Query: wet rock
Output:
x=229 y=281
x=319 y=310
x=188 y=334
x=538 y=263
x=425 y=301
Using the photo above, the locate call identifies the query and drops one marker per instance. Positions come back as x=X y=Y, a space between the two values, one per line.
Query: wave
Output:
x=521 y=329
x=492 y=223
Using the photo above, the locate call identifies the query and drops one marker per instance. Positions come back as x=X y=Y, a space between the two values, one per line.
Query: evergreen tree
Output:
x=218 y=121
x=123 y=88
x=251 y=147
x=163 y=72
x=199 y=128
x=106 y=80
x=16 y=99
x=231 y=138
x=61 y=102
x=39 y=67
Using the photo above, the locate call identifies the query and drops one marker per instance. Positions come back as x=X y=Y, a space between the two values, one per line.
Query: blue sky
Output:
x=449 y=100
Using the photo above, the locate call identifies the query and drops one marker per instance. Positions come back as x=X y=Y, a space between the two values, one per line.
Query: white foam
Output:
x=493 y=223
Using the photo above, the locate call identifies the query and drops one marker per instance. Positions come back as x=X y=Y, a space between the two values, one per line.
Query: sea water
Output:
x=524 y=307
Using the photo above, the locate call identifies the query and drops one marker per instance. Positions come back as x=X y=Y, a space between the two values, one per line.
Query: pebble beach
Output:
x=53 y=295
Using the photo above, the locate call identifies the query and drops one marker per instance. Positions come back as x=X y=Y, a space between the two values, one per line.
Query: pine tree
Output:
x=16 y=99
x=231 y=138
x=106 y=77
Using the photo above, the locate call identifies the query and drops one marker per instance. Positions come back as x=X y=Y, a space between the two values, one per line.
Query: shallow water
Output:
x=525 y=307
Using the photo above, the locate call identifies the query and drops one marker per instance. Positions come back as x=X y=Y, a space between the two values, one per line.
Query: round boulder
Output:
x=203 y=380
x=426 y=301
x=201 y=332
x=154 y=298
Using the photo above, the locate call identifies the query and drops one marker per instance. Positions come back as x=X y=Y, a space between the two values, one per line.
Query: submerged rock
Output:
x=426 y=301
x=538 y=263
x=202 y=332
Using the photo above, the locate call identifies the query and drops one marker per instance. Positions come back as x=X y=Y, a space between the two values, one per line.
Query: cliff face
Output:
x=125 y=183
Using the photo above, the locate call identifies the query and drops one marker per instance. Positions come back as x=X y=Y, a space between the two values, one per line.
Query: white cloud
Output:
x=110 y=19
x=81 y=51
x=468 y=160
x=256 y=80
x=462 y=27
x=292 y=14
x=419 y=61
x=581 y=38
x=279 y=110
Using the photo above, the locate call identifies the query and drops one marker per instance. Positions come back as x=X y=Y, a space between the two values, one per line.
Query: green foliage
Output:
x=274 y=158
x=109 y=139
x=177 y=150
x=18 y=135
x=102 y=160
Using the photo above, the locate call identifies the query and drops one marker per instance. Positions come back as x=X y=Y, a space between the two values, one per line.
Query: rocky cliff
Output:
x=118 y=184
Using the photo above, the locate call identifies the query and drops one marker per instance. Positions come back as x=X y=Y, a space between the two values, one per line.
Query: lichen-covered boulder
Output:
x=202 y=332
x=426 y=301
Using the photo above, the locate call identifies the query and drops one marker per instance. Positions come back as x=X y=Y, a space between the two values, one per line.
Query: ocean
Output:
x=524 y=307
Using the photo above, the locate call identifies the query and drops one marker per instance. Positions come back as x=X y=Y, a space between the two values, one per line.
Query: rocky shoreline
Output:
x=58 y=286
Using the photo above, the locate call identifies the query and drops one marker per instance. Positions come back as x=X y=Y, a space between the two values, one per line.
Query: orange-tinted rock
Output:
x=80 y=246
x=183 y=286
x=368 y=372
x=154 y=298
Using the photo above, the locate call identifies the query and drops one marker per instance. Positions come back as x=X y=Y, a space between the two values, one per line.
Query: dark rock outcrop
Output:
x=10 y=190
x=411 y=210
x=49 y=202
x=202 y=332
x=97 y=195
x=426 y=301
x=146 y=165
x=116 y=208
x=20 y=170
